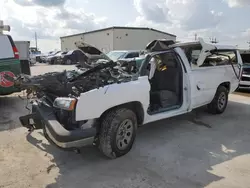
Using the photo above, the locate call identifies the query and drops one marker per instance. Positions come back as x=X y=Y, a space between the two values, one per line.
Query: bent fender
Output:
x=93 y=103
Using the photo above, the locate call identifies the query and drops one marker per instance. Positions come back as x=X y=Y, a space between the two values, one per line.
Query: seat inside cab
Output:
x=165 y=77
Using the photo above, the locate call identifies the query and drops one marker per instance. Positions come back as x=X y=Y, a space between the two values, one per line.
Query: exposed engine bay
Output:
x=75 y=82
x=49 y=86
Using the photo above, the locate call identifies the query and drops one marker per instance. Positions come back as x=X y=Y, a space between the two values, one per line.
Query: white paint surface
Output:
x=93 y=103
x=5 y=48
x=23 y=49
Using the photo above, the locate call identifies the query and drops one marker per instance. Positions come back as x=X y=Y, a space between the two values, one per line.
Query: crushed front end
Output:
x=59 y=125
x=55 y=97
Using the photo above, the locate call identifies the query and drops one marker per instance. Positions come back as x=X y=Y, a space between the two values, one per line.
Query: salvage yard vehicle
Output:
x=9 y=61
x=123 y=54
x=71 y=57
x=106 y=103
x=43 y=57
x=50 y=58
x=245 y=77
x=57 y=58
x=35 y=56
x=84 y=53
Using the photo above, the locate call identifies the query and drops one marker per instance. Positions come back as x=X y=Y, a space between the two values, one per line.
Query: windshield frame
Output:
x=116 y=57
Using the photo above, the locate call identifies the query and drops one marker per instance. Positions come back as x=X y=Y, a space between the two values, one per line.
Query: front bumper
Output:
x=245 y=81
x=44 y=118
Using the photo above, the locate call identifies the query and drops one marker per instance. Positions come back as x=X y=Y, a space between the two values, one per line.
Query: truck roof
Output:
x=125 y=50
x=218 y=46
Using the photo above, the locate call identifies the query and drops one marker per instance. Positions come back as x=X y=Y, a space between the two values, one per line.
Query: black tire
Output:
x=111 y=124
x=217 y=106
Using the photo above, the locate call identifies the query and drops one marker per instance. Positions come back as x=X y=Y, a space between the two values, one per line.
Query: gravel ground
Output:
x=193 y=150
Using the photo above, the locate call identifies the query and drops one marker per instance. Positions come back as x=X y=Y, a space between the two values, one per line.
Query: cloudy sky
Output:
x=227 y=20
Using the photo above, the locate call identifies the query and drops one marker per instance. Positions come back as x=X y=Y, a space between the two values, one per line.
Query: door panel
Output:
x=184 y=89
x=204 y=82
x=219 y=67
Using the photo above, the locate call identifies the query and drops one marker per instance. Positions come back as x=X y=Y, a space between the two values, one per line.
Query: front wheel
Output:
x=219 y=103
x=118 y=132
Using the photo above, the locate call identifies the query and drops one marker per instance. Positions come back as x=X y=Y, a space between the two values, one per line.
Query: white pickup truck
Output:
x=245 y=77
x=171 y=79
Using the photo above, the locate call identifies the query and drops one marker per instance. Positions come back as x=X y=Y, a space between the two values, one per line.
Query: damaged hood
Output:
x=91 y=52
x=75 y=82
x=159 y=45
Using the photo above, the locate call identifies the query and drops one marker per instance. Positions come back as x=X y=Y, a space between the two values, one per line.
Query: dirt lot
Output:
x=194 y=150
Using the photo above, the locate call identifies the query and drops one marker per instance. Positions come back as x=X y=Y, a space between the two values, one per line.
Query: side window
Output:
x=192 y=52
x=194 y=57
x=132 y=55
x=5 y=48
x=162 y=62
x=221 y=58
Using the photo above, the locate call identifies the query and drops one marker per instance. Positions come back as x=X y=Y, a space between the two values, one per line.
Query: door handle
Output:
x=200 y=86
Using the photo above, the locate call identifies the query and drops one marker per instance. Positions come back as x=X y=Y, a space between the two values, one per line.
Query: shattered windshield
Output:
x=115 y=55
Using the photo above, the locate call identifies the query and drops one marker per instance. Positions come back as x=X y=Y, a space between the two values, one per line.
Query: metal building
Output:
x=116 y=38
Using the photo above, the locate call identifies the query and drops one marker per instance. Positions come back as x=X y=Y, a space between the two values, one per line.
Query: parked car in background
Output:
x=34 y=56
x=71 y=57
x=9 y=61
x=50 y=57
x=245 y=77
x=37 y=55
x=89 y=54
x=85 y=55
x=43 y=57
x=122 y=54
x=57 y=58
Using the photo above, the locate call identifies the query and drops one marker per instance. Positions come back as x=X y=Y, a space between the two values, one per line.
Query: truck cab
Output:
x=9 y=61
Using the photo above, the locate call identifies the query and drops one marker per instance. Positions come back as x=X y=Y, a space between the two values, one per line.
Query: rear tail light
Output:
x=16 y=53
x=14 y=48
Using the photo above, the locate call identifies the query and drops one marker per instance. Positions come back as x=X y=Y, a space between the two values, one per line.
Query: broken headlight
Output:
x=65 y=103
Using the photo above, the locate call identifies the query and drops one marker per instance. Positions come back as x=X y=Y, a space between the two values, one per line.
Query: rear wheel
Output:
x=219 y=103
x=118 y=132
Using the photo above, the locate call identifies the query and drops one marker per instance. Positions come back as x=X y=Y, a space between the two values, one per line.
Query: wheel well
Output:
x=226 y=85
x=135 y=106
